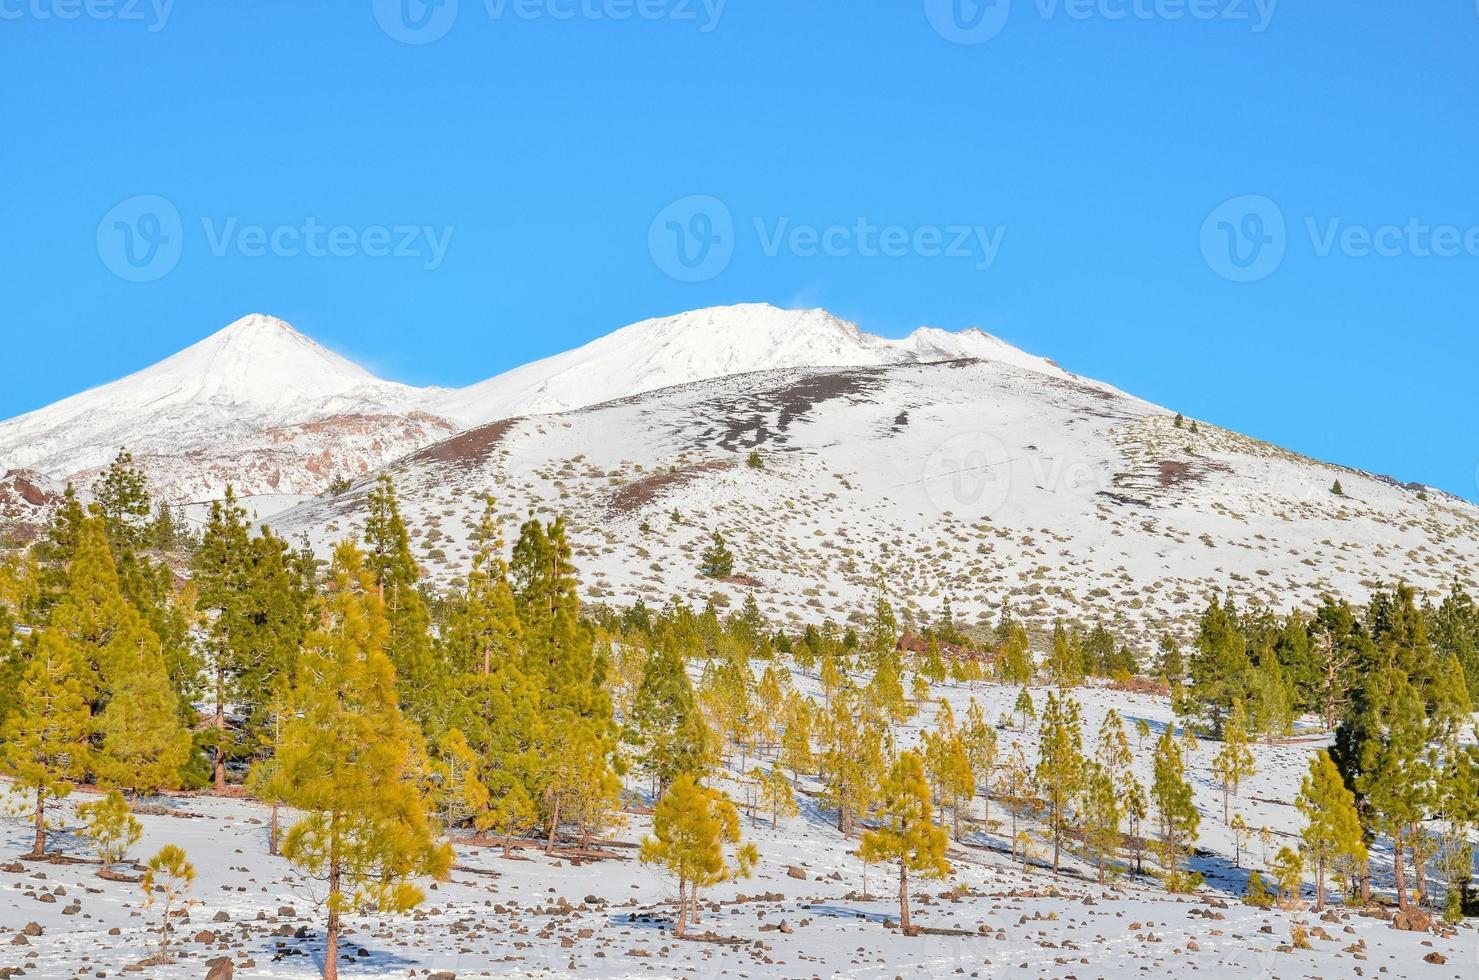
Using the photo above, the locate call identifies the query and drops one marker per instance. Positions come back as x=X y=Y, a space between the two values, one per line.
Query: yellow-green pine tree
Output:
x=1060 y=767
x=1234 y=761
x=906 y=831
x=1333 y=830
x=346 y=760
x=45 y=748
x=691 y=827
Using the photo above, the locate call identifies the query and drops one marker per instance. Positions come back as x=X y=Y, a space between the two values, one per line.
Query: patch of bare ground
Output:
x=469 y=448
x=639 y=493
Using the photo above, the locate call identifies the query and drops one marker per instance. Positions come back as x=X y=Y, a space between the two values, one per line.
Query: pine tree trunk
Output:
x=554 y=828
x=272 y=831
x=220 y=723
x=904 y=898
x=1320 y=885
x=682 y=928
x=1398 y=846
x=38 y=849
x=1414 y=833
x=331 y=949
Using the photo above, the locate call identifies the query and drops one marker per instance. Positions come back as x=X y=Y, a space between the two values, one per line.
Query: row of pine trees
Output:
x=386 y=716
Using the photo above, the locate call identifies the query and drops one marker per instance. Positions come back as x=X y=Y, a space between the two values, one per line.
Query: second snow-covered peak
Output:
x=705 y=344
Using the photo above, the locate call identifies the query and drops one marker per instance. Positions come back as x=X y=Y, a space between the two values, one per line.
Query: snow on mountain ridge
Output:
x=259 y=406
x=711 y=343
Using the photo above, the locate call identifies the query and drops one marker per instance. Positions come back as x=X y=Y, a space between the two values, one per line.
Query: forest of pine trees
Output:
x=394 y=720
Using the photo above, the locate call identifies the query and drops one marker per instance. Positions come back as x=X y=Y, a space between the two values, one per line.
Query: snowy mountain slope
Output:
x=262 y=408
x=974 y=479
x=711 y=343
x=256 y=404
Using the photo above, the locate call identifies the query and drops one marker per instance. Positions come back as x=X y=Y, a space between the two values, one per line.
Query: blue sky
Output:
x=1054 y=171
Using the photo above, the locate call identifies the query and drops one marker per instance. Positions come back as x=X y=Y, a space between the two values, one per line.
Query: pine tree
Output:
x=717 y=561
x=982 y=751
x=1333 y=830
x=1060 y=769
x=45 y=749
x=796 y=751
x=110 y=828
x=420 y=676
x=255 y=609
x=852 y=760
x=166 y=883
x=1136 y=808
x=1016 y=789
x=144 y=746
x=906 y=832
x=1066 y=662
x=1272 y=708
x=665 y=723
x=1102 y=814
x=345 y=760
x=1014 y=655
x=1241 y=833
x=1234 y=762
x=691 y=826
x=1221 y=670
x=1177 y=812
x=573 y=780
x=1023 y=708
x=948 y=765
x=483 y=632
x=1393 y=775
x=777 y=797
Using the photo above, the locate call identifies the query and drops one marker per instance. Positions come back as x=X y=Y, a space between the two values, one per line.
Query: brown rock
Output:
x=796 y=872
x=220 y=969
x=1412 y=920
x=1437 y=959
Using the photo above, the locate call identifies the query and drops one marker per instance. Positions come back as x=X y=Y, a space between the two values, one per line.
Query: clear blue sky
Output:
x=1097 y=146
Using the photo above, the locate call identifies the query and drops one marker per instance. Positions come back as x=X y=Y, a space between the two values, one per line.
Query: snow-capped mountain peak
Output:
x=258 y=361
x=211 y=400
x=711 y=343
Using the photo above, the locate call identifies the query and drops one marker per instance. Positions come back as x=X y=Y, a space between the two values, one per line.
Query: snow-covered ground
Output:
x=542 y=916
x=980 y=481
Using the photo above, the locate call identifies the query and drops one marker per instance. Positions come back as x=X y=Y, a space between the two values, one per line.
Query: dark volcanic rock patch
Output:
x=470 y=448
